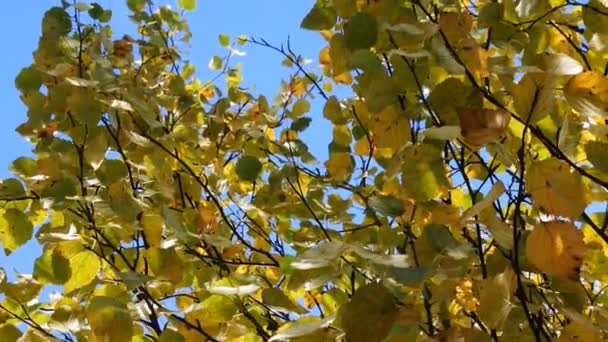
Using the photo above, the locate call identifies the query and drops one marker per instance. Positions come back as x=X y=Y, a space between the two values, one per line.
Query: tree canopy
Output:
x=463 y=196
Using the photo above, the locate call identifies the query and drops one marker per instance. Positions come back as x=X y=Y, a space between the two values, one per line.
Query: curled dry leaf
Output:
x=556 y=248
x=123 y=47
x=481 y=126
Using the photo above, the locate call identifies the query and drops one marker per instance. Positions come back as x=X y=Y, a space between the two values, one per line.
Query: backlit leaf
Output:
x=319 y=18
x=188 y=5
x=555 y=188
x=83 y=270
x=556 y=248
x=15 y=229
x=110 y=319
x=52 y=267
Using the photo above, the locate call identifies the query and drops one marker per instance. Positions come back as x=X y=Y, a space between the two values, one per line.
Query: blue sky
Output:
x=272 y=20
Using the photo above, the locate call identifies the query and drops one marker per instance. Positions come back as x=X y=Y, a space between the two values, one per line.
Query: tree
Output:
x=464 y=196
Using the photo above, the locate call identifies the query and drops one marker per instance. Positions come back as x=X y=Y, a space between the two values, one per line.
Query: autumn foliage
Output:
x=462 y=196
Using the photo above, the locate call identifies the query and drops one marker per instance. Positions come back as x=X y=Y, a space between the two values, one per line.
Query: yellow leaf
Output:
x=588 y=93
x=344 y=78
x=555 y=189
x=324 y=58
x=207 y=217
x=534 y=96
x=297 y=87
x=475 y=57
x=464 y=294
x=84 y=266
x=390 y=129
x=362 y=147
x=166 y=264
x=110 y=320
x=556 y=248
x=455 y=26
x=342 y=135
x=339 y=166
x=153 y=226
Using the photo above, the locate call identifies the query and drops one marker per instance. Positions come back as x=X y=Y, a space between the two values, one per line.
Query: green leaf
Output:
x=29 y=79
x=369 y=314
x=248 y=168
x=60 y=189
x=387 y=205
x=366 y=61
x=15 y=229
x=110 y=319
x=83 y=106
x=52 y=267
x=595 y=18
x=169 y=335
x=9 y=332
x=490 y=13
x=56 y=23
x=95 y=11
x=224 y=40
x=188 y=70
x=333 y=112
x=136 y=5
x=361 y=31
x=597 y=153
x=438 y=237
x=11 y=188
x=301 y=124
x=301 y=107
x=407 y=276
x=319 y=18
x=111 y=171
x=424 y=176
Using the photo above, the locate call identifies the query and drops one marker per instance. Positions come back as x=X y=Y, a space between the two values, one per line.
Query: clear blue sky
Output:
x=272 y=20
